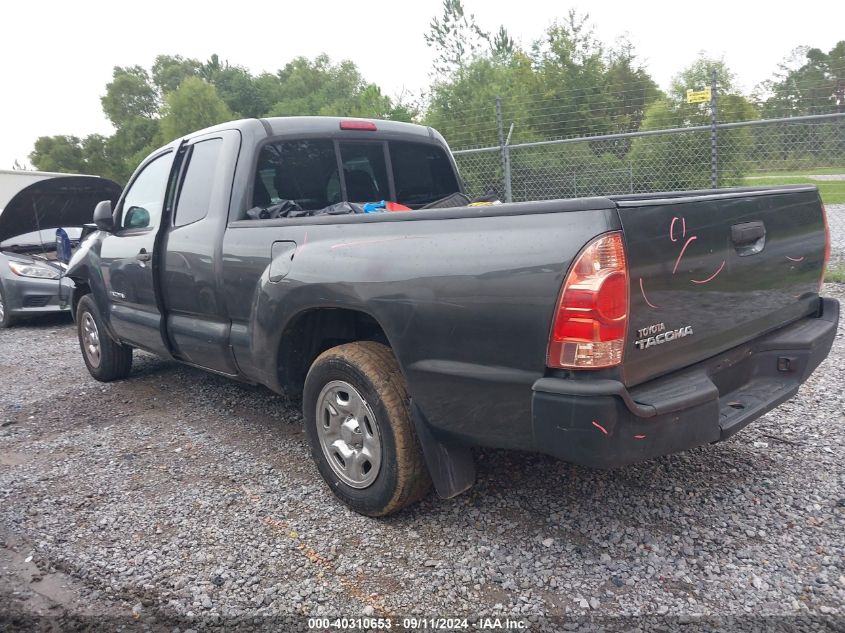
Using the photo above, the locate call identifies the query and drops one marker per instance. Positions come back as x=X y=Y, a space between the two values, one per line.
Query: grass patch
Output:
x=793 y=173
x=832 y=191
x=835 y=273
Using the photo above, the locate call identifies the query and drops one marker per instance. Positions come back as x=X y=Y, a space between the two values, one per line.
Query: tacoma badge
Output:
x=657 y=334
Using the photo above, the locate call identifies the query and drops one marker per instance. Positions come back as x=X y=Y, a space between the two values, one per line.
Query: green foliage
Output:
x=682 y=160
x=456 y=38
x=463 y=109
x=319 y=87
x=194 y=105
x=810 y=81
x=130 y=94
x=59 y=153
x=181 y=95
x=169 y=71
x=566 y=84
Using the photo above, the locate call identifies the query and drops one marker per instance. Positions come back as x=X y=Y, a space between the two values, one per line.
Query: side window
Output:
x=422 y=173
x=302 y=171
x=364 y=171
x=144 y=201
x=195 y=193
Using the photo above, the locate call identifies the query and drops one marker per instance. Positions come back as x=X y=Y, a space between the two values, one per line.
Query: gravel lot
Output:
x=179 y=494
x=836 y=220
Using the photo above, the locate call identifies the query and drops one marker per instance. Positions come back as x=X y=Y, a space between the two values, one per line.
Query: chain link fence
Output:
x=729 y=154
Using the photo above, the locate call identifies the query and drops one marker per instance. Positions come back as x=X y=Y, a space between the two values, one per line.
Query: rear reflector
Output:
x=351 y=124
x=592 y=315
x=826 y=248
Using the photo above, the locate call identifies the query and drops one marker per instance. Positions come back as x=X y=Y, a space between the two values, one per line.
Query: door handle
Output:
x=748 y=238
x=747 y=233
x=143 y=255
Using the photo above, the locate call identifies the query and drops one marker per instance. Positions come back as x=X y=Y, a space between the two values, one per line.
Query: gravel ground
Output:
x=836 y=220
x=179 y=494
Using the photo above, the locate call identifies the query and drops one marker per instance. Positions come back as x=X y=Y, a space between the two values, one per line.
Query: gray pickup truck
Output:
x=602 y=331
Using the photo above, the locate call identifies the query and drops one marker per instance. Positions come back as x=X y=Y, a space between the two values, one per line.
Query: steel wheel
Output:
x=348 y=434
x=91 y=339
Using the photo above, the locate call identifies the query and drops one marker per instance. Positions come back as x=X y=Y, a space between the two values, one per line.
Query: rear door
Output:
x=127 y=256
x=711 y=271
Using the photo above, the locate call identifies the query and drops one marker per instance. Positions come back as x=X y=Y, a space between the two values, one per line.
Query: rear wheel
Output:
x=6 y=319
x=105 y=358
x=360 y=430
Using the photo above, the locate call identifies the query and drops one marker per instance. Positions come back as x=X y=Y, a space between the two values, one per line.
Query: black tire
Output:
x=371 y=368
x=115 y=359
x=7 y=320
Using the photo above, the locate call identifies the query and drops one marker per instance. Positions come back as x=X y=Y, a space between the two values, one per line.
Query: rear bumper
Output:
x=603 y=424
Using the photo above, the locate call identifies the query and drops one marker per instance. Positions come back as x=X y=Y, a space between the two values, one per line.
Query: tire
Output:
x=397 y=476
x=6 y=318
x=111 y=360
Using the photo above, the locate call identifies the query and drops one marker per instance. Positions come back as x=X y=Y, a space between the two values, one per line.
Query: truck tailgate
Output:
x=712 y=270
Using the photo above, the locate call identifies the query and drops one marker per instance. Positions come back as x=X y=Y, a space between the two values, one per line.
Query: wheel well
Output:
x=312 y=332
x=80 y=290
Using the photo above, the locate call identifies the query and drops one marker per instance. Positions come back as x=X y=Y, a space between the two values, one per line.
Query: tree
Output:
x=455 y=37
x=72 y=155
x=129 y=144
x=194 y=105
x=321 y=87
x=128 y=95
x=682 y=160
x=169 y=71
x=59 y=153
x=809 y=81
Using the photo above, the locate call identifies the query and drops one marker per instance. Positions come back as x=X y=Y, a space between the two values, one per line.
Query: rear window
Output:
x=421 y=173
x=306 y=172
x=302 y=171
x=364 y=171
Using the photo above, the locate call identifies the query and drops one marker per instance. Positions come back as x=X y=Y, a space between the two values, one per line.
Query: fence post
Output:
x=714 y=151
x=505 y=153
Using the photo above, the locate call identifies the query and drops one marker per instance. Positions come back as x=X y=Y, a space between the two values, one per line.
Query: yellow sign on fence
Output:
x=698 y=96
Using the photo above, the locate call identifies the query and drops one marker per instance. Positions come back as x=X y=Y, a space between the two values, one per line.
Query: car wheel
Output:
x=359 y=427
x=105 y=358
x=6 y=318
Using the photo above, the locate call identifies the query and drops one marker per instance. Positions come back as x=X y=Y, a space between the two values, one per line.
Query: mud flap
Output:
x=451 y=466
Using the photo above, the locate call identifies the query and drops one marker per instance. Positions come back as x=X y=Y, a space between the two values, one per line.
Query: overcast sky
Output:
x=56 y=57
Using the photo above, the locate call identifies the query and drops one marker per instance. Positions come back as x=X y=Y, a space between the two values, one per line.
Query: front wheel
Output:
x=105 y=358
x=359 y=427
x=6 y=319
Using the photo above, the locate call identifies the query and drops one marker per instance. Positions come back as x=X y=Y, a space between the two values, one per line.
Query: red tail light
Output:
x=592 y=314
x=826 y=247
x=353 y=124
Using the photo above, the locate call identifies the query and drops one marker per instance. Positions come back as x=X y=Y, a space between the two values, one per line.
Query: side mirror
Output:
x=136 y=218
x=103 y=217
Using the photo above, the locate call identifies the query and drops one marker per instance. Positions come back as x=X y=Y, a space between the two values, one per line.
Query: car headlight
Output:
x=34 y=270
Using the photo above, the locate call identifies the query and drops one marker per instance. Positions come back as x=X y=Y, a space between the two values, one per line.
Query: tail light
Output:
x=592 y=313
x=826 y=248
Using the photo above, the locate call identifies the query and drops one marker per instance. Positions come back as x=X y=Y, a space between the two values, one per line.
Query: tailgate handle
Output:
x=748 y=237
